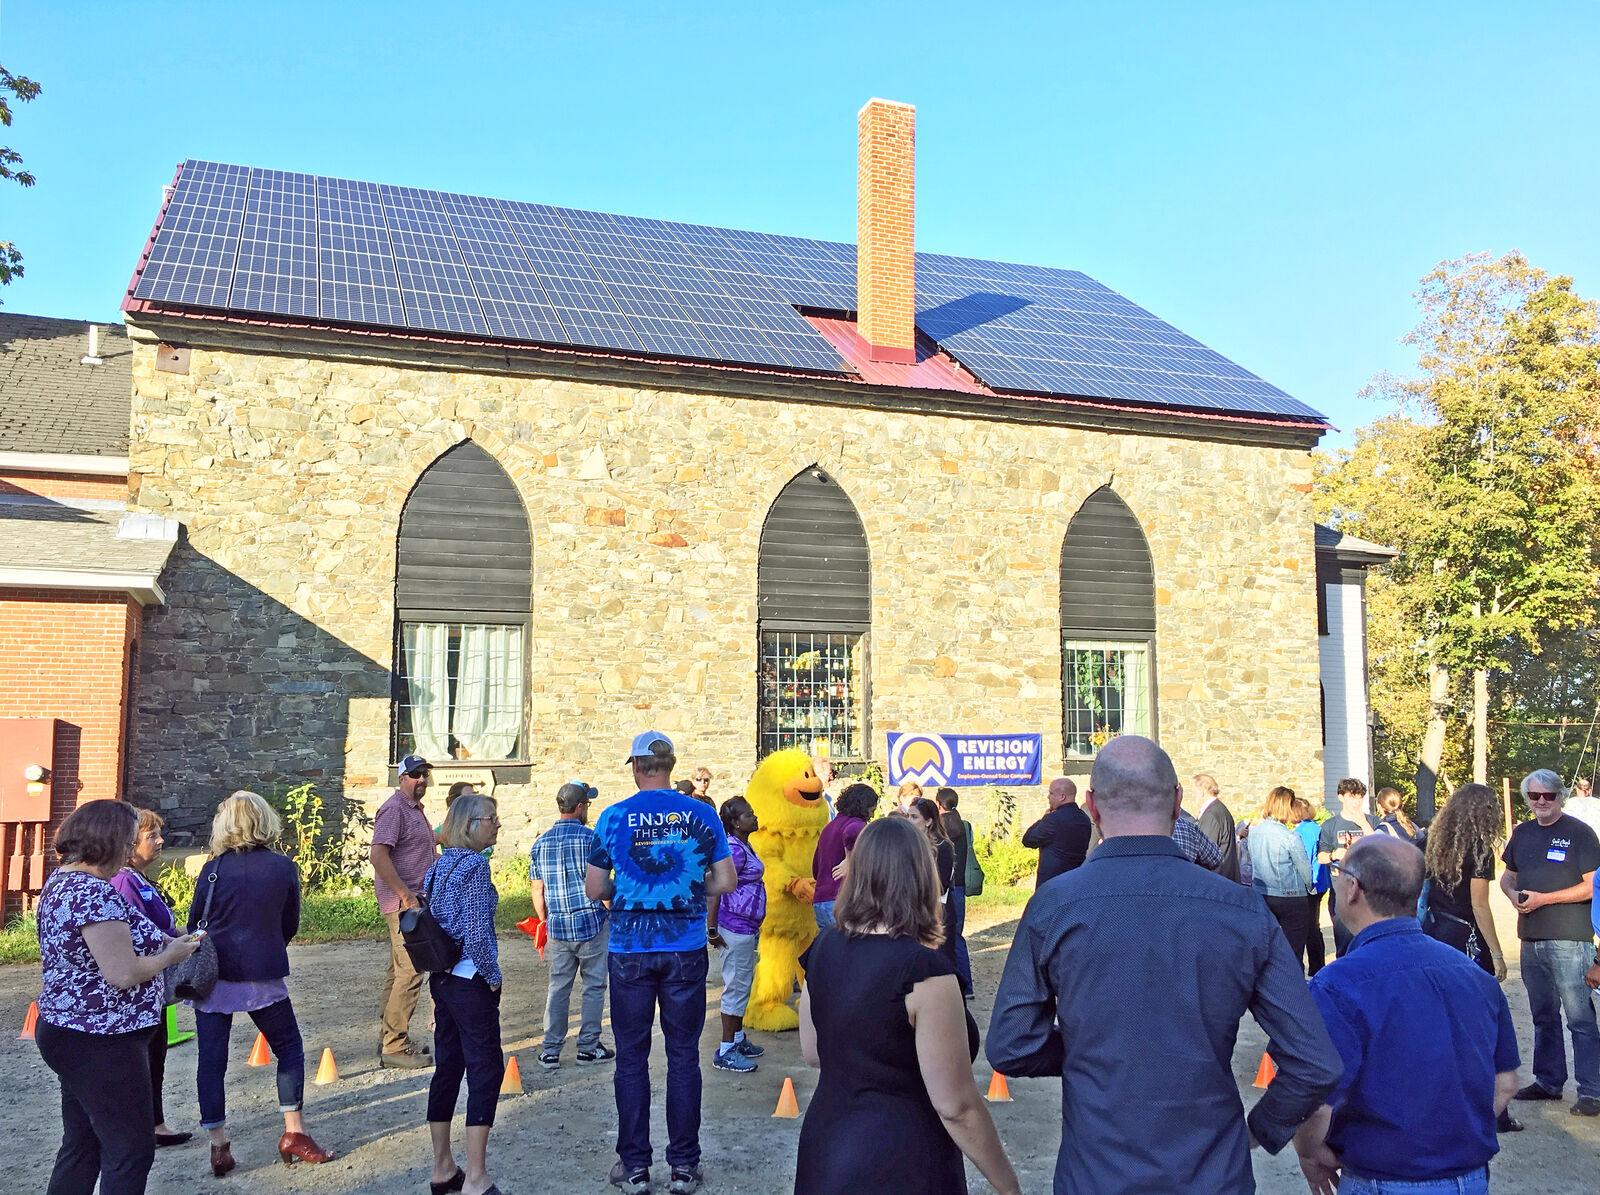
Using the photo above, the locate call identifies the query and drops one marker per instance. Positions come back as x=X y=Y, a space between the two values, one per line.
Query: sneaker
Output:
x=1507 y=1123
x=732 y=1060
x=411 y=1058
x=1533 y=1091
x=599 y=1054
x=551 y=1059
x=686 y=1179
x=749 y=1049
x=1587 y=1105
x=635 y=1182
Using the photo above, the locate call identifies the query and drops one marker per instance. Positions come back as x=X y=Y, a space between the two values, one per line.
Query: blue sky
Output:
x=1271 y=178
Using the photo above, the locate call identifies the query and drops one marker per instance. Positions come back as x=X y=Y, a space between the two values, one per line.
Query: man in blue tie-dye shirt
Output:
x=657 y=856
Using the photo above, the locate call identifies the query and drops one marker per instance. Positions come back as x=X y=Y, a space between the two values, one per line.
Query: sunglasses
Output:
x=1536 y=796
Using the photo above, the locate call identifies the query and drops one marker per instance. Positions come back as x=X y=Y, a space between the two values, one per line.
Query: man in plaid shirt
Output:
x=577 y=927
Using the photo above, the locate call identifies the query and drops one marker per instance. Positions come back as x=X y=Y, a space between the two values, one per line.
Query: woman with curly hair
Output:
x=1463 y=841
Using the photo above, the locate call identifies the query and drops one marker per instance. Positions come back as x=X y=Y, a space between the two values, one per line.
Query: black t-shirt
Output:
x=1339 y=833
x=1456 y=899
x=1547 y=859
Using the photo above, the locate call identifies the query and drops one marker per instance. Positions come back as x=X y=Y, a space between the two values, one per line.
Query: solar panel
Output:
x=277 y=264
x=262 y=241
x=192 y=260
x=356 y=263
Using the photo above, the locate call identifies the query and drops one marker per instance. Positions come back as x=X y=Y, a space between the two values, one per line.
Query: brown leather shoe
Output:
x=222 y=1159
x=297 y=1147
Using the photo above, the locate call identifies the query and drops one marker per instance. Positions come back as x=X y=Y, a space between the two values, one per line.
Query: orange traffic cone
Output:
x=511 y=1084
x=999 y=1089
x=788 y=1107
x=260 y=1054
x=28 y=1022
x=1266 y=1072
x=328 y=1070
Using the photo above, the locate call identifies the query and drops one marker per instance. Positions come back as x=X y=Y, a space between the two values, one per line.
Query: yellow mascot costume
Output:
x=786 y=795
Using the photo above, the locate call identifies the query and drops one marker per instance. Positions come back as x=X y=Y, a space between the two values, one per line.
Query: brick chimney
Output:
x=886 y=272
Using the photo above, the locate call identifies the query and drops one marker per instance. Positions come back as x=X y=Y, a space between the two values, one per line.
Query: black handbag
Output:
x=430 y=947
x=196 y=976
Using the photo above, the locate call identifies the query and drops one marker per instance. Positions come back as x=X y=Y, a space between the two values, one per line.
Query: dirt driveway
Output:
x=559 y=1135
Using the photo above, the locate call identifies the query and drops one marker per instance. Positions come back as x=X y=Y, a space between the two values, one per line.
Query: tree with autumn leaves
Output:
x=1486 y=477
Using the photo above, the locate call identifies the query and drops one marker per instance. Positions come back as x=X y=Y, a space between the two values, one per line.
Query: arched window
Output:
x=1108 y=626
x=463 y=594
x=814 y=610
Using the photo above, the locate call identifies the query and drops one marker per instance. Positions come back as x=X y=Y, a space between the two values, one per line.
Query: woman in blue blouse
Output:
x=466 y=999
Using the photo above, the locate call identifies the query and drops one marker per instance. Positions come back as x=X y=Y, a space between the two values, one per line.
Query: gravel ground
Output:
x=559 y=1135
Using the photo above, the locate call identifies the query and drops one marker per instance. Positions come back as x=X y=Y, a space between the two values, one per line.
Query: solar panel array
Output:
x=265 y=242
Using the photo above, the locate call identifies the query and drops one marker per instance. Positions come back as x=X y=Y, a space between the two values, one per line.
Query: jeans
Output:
x=1293 y=914
x=402 y=983
x=569 y=961
x=1316 y=946
x=677 y=981
x=1341 y=936
x=466 y=1041
x=824 y=913
x=957 y=899
x=1475 y=1182
x=282 y=1031
x=1553 y=974
x=105 y=1109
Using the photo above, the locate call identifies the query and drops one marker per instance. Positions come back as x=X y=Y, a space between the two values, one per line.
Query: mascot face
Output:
x=786 y=792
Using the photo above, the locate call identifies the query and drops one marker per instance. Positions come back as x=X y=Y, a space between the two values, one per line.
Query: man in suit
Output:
x=1216 y=822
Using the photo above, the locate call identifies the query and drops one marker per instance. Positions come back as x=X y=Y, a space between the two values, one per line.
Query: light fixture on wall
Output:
x=36 y=775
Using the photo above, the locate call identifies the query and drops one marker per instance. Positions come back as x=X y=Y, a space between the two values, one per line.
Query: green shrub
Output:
x=328 y=860
x=1005 y=861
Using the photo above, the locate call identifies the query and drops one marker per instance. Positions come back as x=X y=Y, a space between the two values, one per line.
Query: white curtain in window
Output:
x=427 y=661
x=488 y=716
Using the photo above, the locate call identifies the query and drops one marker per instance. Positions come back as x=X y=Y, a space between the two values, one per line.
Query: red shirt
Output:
x=403 y=828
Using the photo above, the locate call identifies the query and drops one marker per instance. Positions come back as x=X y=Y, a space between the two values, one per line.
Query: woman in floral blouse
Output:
x=101 y=999
x=466 y=999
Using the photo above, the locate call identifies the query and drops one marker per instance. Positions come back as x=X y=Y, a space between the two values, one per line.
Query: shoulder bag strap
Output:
x=211 y=890
x=427 y=888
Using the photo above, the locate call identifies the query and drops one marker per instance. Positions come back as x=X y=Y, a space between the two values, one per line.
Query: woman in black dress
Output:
x=925 y=813
x=881 y=1014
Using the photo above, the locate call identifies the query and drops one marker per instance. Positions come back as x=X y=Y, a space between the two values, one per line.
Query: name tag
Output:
x=1556 y=854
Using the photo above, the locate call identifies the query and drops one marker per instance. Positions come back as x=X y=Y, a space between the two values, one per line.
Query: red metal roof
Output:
x=934 y=370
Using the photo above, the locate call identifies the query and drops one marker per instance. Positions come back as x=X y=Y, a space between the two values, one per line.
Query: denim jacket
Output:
x=1278 y=860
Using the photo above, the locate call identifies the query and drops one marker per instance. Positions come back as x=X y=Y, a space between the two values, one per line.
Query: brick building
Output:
x=505 y=483
x=76 y=570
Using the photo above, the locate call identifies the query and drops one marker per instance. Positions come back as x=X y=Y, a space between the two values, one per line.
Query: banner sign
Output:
x=964 y=760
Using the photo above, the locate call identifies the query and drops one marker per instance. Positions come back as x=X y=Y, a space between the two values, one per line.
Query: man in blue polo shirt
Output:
x=657 y=856
x=1400 y=1005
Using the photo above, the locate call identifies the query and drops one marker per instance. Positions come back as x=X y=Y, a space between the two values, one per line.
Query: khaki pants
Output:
x=400 y=988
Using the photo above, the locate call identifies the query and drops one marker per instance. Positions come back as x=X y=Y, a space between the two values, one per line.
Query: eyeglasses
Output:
x=476 y=820
x=1339 y=869
x=1538 y=796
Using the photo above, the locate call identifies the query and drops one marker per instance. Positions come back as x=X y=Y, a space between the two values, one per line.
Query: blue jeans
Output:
x=1553 y=974
x=824 y=911
x=1475 y=1182
x=676 y=980
x=466 y=1041
x=958 y=925
x=282 y=1031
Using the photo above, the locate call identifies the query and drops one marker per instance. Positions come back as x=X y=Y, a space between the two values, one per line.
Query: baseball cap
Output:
x=589 y=791
x=412 y=764
x=642 y=744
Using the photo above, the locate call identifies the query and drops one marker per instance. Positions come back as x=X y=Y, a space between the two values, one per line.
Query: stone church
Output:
x=502 y=484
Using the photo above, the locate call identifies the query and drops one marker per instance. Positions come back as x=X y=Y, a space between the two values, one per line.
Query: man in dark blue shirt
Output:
x=1128 y=978
x=1402 y=1007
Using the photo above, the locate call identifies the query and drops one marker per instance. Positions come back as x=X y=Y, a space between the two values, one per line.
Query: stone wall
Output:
x=271 y=660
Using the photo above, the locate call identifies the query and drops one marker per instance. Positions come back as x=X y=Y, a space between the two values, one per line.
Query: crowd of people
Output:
x=1152 y=931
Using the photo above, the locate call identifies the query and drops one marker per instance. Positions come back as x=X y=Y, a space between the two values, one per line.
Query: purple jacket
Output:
x=743 y=909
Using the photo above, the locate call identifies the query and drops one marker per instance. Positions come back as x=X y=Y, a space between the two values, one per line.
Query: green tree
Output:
x=22 y=90
x=1486 y=478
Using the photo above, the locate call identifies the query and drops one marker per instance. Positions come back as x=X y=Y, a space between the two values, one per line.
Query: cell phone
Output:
x=1522 y=895
x=197 y=936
